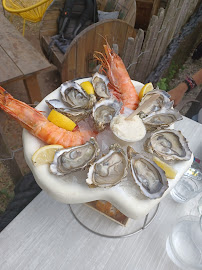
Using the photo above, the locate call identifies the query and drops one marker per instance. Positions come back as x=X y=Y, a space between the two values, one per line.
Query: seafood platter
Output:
x=110 y=155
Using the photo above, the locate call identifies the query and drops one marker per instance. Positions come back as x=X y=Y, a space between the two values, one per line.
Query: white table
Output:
x=46 y=236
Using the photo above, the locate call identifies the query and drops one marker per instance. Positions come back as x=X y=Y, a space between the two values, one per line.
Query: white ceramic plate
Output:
x=72 y=188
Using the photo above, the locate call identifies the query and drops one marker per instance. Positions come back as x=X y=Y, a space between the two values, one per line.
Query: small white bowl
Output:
x=125 y=139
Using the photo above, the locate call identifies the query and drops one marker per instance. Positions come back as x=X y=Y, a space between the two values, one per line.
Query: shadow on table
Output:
x=25 y=192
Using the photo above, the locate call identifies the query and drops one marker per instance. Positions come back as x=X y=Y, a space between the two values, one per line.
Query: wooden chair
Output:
x=78 y=59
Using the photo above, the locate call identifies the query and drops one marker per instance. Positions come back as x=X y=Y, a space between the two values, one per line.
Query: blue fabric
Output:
x=195 y=117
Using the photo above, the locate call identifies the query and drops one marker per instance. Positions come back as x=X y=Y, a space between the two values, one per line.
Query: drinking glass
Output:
x=184 y=244
x=189 y=186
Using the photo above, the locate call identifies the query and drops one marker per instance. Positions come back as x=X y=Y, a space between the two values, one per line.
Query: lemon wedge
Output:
x=61 y=120
x=169 y=171
x=45 y=154
x=88 y=87
x=145 y=89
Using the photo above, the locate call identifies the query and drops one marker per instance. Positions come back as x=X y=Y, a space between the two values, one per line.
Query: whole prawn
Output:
x=118 y=76
x=38 y=125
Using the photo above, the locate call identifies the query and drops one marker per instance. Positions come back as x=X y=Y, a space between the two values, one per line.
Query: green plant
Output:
x=163 y=83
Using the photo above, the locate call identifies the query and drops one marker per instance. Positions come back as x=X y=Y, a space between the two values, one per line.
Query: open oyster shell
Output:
x=162 y=118
x=147 y=175
x=74 y=158
x=75 y=115
x=109 y=169
x=163 y=101
x=168 y=144
x=100 y=83
x=74 y=95
x=104 y=111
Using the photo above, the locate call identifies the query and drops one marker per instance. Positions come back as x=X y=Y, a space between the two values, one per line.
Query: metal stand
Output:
x=99 y=224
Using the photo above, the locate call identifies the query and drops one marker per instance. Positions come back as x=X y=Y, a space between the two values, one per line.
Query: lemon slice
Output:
x=145 y=89
x=45 y=154
x=88 y=87
x=169 y=171
x=61 y=120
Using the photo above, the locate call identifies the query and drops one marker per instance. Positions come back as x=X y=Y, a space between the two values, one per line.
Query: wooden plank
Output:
x=187 y=8
x=128 y=51
x=136 y=53
x=131 y=16
x=68 y=68
x=54 y=55
x=121 y=29
x=91 y=63
x=26 y=58
x=33 y=89
x=156 y=6
x=81 y=57
x=166 y=25
x=154 y=44
x=127 y=11
x=146 y=50
x=11 y=72
x=159 y=38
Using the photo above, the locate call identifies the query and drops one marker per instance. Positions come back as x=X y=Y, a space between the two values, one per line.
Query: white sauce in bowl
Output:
x=128 y=130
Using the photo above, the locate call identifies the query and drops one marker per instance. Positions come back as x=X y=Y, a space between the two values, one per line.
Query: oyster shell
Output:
x=109 y=169
x=74 y=158
x=75 y=115
x=147 y=175
x=104 y=111
x=74 y=95
x=163 y=101
x=164 y=118
x=100 y=83
x=169 y=144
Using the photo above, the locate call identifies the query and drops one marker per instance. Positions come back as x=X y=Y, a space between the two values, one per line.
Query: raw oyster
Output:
x=169 y=144
x=109 y=169
x=75 y=115
x=147 y=175
x=100 y=83
x=163 y=101
x=104 y=111
x=74 y=158
x=164 y=118
x=74 y=95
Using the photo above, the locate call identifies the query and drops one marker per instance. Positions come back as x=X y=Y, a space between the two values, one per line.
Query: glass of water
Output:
x=189 y=186
x=184 y=244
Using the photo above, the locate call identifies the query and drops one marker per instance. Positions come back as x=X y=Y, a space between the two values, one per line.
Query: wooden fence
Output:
x=142 y=54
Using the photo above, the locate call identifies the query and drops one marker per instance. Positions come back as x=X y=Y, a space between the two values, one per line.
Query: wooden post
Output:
x=33 y=89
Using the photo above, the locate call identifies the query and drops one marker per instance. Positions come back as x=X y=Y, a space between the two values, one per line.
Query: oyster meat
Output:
x=74 y=158
x=163 y=101
x=147 y=175
x=74 y=95
x=100 y=83
x=75 y=115
x=109 y=170
x=168 y=144
x=162 y=118
x=104 y=111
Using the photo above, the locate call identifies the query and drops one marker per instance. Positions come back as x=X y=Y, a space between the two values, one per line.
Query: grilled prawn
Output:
x=118 y=77
x=38 y=125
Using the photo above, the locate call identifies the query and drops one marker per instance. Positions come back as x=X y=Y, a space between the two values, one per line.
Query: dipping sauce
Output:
x=128 y=130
